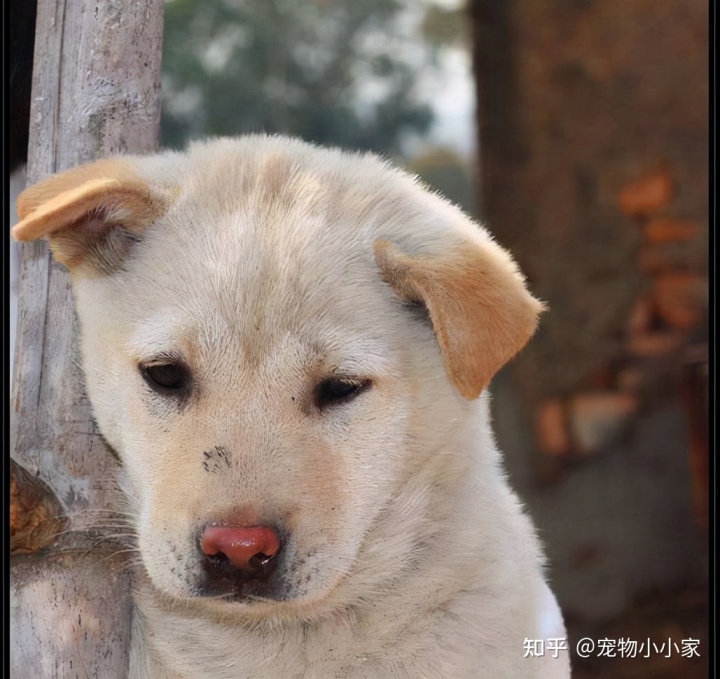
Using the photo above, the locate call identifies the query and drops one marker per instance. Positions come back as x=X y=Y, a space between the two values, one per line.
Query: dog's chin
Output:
x=236 y=591
x=236 y=587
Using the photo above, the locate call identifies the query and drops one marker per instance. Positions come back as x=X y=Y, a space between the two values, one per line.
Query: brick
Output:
x=642 y=316
x=659 y=258
x=596 y=420
x=655 y=344
x=681 y=299
x=647 y=195
x=551 y=429
x=662 y=230
x=630 y=378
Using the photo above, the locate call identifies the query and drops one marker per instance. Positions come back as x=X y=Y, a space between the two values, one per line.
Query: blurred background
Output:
x=389 y=76
x=577 y=130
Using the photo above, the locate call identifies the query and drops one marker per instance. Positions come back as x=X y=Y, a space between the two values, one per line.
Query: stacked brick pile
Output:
x=665 y=318
x=672 y=319
x=664 y=341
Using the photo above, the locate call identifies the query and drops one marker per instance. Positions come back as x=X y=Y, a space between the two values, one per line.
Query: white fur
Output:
x=411 y=557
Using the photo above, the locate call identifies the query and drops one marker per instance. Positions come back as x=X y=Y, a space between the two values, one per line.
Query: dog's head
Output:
x=276 y=340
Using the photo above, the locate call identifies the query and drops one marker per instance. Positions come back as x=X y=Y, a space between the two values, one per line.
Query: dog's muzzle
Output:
x=239 y=561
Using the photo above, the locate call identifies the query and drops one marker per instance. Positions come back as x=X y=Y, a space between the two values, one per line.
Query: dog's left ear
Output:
x=90 y=213
x=480 y=309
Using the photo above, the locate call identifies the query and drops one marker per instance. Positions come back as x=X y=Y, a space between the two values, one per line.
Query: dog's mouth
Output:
x=249 y=566
x=258 y=579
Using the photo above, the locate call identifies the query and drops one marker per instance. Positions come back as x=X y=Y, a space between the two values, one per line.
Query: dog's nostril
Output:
x=260 y=560
x=247 y=549
x=217 y=558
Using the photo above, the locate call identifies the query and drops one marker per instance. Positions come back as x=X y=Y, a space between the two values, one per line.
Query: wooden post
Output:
x=96 y=91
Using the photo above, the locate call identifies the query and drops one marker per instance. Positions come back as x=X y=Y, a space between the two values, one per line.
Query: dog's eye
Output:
x=335 y=390
x=166 y=378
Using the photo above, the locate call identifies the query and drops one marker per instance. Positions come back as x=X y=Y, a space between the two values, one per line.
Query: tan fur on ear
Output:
x=479 y=306
x=79 y=204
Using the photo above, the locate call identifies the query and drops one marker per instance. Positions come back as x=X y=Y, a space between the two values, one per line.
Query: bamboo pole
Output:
x=96 y=91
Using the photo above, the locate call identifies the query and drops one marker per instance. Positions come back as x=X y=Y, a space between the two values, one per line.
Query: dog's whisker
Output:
x=116 y=554
x=104 y=510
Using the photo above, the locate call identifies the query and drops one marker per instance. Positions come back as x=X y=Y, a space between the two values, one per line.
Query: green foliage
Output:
x=336 y=72
x=443 y=26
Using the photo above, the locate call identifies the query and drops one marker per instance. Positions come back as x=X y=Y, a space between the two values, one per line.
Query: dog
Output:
x=289 y=349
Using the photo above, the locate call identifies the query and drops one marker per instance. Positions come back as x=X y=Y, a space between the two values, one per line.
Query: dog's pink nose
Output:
x=243 y=547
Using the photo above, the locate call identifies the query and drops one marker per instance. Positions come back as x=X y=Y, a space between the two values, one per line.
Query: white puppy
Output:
x=289 y=349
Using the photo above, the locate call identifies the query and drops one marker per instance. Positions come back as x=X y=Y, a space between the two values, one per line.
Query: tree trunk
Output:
x=96 y=91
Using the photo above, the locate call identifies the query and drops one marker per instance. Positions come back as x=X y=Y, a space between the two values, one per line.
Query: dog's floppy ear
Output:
x=92 y=213
x=479 y=306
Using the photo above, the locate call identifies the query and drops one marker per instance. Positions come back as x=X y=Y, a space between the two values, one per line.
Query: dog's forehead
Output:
x=249 y=202
x=260 y=307
x=262 y=247
x=266 y=175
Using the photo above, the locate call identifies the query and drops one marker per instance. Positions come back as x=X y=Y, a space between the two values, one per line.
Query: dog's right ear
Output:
x=91 y=214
